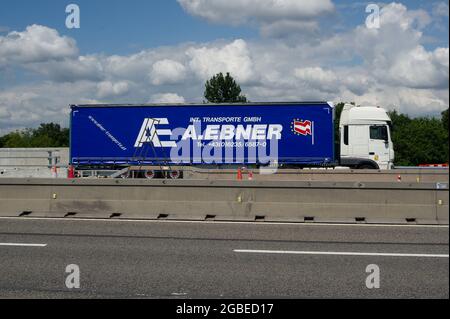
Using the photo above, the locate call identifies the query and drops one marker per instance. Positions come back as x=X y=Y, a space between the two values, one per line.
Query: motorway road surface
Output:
x=162 y=259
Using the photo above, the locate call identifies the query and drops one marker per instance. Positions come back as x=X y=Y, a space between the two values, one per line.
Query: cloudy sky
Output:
x=140 y=51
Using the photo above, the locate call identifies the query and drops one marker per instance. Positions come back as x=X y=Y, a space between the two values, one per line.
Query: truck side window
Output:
x=379 y=132
x=346 y=134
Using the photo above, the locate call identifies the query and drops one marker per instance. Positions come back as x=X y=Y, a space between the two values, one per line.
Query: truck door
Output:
x=379 y=145
x=359 y=137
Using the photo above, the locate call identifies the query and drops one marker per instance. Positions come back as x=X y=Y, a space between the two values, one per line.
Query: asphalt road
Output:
x=161 y=259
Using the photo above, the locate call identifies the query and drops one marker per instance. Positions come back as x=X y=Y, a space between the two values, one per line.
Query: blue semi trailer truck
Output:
x=161 y=139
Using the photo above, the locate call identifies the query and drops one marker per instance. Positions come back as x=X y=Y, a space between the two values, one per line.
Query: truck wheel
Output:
x=174 y=174
x=150 y=174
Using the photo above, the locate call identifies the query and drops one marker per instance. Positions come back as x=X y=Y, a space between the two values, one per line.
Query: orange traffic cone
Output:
x=71 y=172
x=239 y=174
x=399 y=178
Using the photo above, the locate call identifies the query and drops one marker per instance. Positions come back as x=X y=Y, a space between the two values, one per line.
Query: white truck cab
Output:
x=365 y=138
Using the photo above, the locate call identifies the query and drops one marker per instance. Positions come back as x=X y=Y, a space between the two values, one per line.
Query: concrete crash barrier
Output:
x=283 y=201
x=33 y=162
x=417 y=175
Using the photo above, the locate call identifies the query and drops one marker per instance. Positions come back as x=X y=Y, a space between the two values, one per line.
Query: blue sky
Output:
x=123 y=27
x=119 y=26
x=139 y=51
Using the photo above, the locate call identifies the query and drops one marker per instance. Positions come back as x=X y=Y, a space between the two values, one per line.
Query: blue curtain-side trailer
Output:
x=113 y=137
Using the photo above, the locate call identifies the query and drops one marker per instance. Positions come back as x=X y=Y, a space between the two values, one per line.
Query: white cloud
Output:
x=398 y=14
x=419 y=68
x=135 y=66
x=318 y=78
x=167 y=72
x=109 y=89
x=274 y=18
x=4 y=113
x=289 y=28
x=389 y=66
x=441 y=9
x=71 y=70
x=167 y=98
x=36 y=44
x=405 y=100
x=397 y=55
x=261 y=11
x=32 y=104
x=441 y=56
x=233 y=57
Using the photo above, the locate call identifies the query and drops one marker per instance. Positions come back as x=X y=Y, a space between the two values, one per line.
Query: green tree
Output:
x=17 y=139
x=419 y=140
x=50 y=134
x=223 y=89
x=445 y=119
x=46 y=135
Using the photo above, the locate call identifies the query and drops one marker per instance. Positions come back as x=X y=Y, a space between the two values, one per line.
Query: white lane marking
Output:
x=338 y=253
x=222 y=222
x=22 y=245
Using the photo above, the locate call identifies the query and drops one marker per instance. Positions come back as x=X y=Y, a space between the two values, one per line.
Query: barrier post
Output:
x=54 y=171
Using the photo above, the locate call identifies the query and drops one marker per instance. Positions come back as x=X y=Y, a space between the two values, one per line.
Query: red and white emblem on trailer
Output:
x=301 y=127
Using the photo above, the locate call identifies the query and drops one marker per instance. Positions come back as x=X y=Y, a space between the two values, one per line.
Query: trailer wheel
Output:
x=125 y=175
x=150 y=174
x=174 y=174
